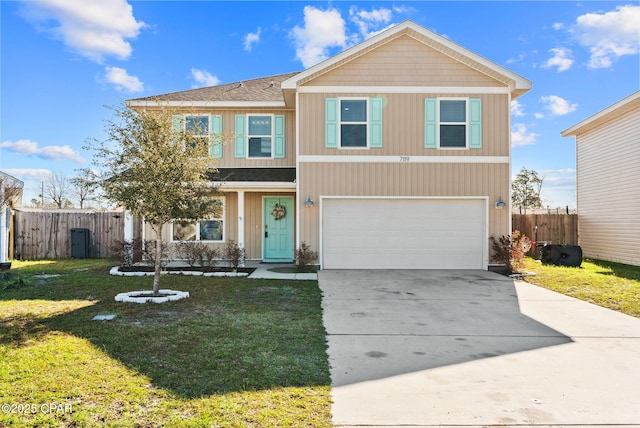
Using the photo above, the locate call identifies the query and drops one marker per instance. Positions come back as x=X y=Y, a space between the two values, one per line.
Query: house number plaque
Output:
x=405 y=158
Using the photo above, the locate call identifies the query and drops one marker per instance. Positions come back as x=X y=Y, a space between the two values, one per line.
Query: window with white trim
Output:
x=260 y=136
x=197 y=130
x=210 y=229
x=354 y=123
x=453 y=123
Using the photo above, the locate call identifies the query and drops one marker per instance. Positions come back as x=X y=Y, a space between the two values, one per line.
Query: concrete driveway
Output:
x=474 y=348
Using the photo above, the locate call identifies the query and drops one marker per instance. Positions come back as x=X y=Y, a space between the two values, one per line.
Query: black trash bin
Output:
x=80 y=241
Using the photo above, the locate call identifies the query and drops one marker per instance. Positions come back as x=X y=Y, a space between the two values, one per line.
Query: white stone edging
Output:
x=116 y=271
x=169 y=296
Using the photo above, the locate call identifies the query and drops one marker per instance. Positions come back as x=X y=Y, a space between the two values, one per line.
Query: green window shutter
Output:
x=216 y=130
x=475 y=123
x=375 y=123
x=430 y=123
x=176 y=125
x=278 y=134
x=331 y=123
x=240 y=141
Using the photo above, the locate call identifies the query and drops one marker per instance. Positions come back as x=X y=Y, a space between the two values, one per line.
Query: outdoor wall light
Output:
x=309 y=202
x=500 y=204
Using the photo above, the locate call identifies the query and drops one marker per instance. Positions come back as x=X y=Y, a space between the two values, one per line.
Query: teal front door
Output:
x=277 y=241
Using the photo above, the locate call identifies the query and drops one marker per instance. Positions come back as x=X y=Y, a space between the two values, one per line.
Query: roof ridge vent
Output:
x=240 y=85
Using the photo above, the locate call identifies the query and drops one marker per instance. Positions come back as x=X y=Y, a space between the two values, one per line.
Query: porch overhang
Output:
x=254 y=179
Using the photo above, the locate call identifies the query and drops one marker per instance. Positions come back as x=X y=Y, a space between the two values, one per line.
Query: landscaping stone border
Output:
x=116 y=271
x=139 y=296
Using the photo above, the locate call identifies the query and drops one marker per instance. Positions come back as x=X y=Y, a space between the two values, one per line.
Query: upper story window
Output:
x=260 y=136
x=453 y=123
x=353 y=123
x=206 y=230
x=197 y=130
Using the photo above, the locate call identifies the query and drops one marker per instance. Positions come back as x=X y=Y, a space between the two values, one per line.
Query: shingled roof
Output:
x=261 y=89
x=284 y=175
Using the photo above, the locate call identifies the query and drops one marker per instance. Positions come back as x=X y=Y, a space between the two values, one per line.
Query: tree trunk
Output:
x=158 y=268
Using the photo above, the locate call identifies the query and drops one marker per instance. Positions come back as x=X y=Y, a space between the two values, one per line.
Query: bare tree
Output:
x=84 y=186
x=57 y=189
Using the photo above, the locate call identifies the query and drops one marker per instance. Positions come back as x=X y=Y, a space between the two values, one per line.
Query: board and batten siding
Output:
x=403 y=61
x=253 y=223
x=608 y=190
x=403 y=126
x=399 y=179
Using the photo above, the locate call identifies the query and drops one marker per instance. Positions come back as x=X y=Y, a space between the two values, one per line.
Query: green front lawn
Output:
x=237 y=353
x=611 y=285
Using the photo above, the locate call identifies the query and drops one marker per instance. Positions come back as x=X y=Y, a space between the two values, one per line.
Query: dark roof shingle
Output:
x=284 y=175
x=261 y=89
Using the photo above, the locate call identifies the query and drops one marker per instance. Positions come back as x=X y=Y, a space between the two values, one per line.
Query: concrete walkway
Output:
x=475 y=349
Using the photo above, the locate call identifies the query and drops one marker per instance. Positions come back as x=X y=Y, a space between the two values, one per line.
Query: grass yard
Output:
x=237 y=353
x=611 y=285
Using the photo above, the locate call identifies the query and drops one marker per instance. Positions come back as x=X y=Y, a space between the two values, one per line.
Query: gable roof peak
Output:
x=517 y=84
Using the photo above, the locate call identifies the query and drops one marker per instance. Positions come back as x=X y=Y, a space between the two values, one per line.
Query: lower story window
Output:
x=206 y=230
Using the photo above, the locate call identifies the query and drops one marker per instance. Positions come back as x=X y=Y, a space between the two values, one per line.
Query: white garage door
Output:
x=375 y=233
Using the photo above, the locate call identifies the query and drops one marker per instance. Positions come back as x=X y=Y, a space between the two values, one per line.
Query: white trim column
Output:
x=4 y=234
x=241 y=220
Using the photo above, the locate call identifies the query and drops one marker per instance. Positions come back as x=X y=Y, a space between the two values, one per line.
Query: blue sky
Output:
x=62 y=61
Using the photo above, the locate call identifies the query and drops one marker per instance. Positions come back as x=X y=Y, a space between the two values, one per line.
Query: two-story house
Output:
x=394 y=153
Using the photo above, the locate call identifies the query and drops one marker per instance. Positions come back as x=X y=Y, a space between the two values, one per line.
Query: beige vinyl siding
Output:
x=390 y=179
x=608 y=187
x=403 y=61
x=403 y=126
x=253 y=223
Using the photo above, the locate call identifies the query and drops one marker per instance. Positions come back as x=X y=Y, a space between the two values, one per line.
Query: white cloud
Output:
x=26 y=174
x=93 y=28
x=203 y=78
x=609 y=35
x=122 y=80
x=323 y=29
x=516 y=108
x=538 y=115
x=558 y=25
x=561 y=59
x=369 y=22
x=557 y=105
x=30 y=148
x=521 y=136
x=251 y=39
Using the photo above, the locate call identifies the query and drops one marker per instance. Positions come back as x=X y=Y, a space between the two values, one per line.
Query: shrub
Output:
x=128 y=252
x=510 y=250
x=305 y=257
x=233 y=254
x=197 y=252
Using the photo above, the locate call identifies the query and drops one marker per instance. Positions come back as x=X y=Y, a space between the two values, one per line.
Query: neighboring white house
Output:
x=10 y=196
x=608 y=182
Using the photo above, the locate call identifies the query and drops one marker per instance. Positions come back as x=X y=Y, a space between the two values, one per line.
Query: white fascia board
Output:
x=216 y=104
x=608 y=113
x=402 y=159
x=405 y=89
x=519 y=81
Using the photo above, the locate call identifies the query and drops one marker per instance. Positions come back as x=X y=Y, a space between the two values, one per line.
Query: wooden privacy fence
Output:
x=553 y=228
x=47 y=234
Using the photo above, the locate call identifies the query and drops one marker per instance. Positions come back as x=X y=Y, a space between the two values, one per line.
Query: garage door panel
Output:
x=403 y=233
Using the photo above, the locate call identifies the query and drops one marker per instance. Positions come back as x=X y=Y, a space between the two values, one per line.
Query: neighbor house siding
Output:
x=608 y=195
x=403 y=126
x=403 y=61
x=396 y=179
